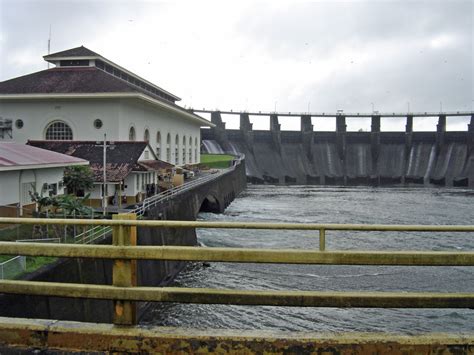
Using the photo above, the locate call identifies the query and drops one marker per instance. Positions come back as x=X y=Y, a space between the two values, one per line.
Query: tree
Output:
x=78 y=178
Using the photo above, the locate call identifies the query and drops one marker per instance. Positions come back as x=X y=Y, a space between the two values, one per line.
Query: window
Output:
x=190 y=155
x=147 y=154
x=168 y=148
x=131 y=134
x=158 y=145
x=19 y=124
x=176 y=150
x=74 y=63
x=58 y=130
x=98 y=123
x=138 y=182
x=146 y=136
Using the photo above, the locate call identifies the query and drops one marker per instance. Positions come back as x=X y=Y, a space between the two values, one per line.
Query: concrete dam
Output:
x=443 y=158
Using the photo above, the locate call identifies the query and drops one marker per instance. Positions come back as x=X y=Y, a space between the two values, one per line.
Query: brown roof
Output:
x=68 y=81
x=73 y=52
x=82 y=80
x=120 y=162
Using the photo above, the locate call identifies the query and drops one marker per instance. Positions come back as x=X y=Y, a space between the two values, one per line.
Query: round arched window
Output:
x=146 y=136
x=158 y=138
x=131 y=134
x=58 y=130
x=98 y=123
x=19 y=124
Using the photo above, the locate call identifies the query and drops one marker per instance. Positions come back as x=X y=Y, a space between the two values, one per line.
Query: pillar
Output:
x=307 y=135
x=246 y=130
x=440 y=131
x=341 y=129
x=375 y=143
x=218 y=132
x=275 y=130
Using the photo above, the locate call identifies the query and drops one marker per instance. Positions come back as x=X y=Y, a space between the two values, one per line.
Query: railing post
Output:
x=124 y=271
x=322 y=239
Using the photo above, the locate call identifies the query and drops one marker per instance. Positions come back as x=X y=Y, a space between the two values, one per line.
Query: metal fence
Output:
x=12 y=267
x=124 y=291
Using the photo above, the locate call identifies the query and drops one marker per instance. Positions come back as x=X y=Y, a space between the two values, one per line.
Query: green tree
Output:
x=78 y=178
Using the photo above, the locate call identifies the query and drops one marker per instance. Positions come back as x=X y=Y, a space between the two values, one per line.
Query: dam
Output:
x=439 y=158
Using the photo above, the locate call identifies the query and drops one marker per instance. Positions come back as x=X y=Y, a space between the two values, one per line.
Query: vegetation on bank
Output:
x=216 y=160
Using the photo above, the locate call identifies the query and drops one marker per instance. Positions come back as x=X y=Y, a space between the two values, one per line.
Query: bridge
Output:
x=124 y=335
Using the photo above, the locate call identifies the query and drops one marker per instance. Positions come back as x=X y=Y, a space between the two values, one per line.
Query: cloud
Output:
x=258 y=55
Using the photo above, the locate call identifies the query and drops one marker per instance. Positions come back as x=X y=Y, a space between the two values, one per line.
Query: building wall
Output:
x=11 y=183
x=142 y=116
x=78 y=114
x=117 y=116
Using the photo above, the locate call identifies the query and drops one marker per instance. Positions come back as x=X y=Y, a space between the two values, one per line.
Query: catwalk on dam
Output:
x=439 y=158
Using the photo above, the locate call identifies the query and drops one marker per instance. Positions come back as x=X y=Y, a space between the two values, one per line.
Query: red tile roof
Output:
x=121 y=160
x=20 y=155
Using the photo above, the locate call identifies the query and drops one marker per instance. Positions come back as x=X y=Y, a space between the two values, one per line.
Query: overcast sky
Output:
x=241 y=55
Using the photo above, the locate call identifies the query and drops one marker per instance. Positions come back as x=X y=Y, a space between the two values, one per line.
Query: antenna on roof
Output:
x=49 y=42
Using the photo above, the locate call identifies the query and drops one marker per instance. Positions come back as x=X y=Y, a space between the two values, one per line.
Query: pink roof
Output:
x=20 y=155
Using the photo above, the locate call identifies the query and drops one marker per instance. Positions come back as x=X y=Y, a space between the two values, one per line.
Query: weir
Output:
x=438 y=158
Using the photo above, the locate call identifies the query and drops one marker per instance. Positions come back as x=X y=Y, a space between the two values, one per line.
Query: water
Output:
x=332 y=205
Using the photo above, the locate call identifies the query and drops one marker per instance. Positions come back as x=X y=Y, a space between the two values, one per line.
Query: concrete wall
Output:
x=344 y=158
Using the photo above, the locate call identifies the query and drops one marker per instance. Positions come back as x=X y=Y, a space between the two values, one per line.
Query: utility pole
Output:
x=104 y=171
x=104 y=198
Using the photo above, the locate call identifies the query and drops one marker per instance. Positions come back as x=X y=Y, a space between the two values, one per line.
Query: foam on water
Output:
x=315 y=204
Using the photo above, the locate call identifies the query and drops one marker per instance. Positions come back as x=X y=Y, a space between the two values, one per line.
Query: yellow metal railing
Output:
x=124 y=251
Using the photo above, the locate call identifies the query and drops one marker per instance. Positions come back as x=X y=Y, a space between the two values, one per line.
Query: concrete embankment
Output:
x=349 y=158
x=213 y=196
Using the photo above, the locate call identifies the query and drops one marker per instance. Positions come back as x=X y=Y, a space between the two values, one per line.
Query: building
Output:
x=25 y=169
x=132 y=170
x=86 y=96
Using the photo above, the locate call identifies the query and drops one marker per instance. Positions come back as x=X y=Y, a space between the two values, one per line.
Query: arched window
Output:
x=58 y=130
x=146 y=135
x=184 y=150
x=158 y=144
x=176 y=150
x=168 y=148
x=131 y=134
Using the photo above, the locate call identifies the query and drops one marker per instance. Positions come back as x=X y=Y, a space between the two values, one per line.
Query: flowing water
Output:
x=310 y=204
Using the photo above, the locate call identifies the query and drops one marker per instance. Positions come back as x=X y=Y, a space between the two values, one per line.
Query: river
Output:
x=315 y=204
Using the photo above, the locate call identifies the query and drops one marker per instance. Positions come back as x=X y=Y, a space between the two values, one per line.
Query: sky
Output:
x=288 y=56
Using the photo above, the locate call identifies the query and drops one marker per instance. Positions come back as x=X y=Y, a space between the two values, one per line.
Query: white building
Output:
x=25 y=169
x=86 y=95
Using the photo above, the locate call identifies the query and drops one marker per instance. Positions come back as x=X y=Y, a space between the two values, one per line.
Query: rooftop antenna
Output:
x=49 y=42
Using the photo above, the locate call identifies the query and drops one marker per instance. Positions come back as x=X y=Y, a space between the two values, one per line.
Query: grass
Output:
x=216 y=160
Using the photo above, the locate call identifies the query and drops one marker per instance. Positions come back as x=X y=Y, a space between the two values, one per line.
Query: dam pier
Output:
x=341 y=157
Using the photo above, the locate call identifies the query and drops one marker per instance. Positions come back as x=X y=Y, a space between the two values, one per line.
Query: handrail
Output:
x=243 y=225
x=124 y=251
x=243 y=255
